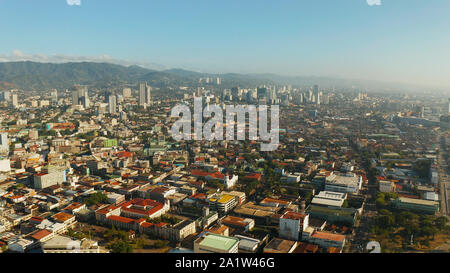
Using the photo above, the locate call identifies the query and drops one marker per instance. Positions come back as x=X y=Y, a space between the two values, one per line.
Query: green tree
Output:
x=121 y=247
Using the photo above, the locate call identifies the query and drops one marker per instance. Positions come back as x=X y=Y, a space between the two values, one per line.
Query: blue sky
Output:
x=399 y=40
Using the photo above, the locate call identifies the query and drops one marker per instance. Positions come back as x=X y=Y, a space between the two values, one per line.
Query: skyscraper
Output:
x=142 y=89
x=75 y=97
x=149 y=95
x=112 y=104
x=55 y=96
x=199 y=92
x=86 y=100
x=15 y=101
x=4 y=145
x=262 y=94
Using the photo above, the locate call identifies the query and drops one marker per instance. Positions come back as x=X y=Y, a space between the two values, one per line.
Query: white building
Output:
x=5 y=165
x=19 y=245
x=4 y=144
x=329 y=199
x=350 y=183
x=323 y=239
x=45 y=180
x=112 y=104
x=386 y=186
x=292 y=224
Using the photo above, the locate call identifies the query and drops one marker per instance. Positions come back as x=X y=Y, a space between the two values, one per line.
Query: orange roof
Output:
x=106 y=209
x=73 y=206
x=334 y=250
x=293 y=215
x=256 y=176
x=232 y=220
x=123 y=154
x=120 y=219
x=38 y=235
x=62 y=216
x=216 y=175
x=328 y=236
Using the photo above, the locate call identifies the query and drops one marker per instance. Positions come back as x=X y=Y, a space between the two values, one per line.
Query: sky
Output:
x=405 y=41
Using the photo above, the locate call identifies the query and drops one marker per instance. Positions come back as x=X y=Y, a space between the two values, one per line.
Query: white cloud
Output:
x=73 y=2
x=374 y=2
x=19 y=56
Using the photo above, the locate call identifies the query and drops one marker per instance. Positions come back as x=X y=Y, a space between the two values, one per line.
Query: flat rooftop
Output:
x=219 y=242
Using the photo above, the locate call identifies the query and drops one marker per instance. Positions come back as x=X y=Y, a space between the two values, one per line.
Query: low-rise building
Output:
x=292 y=225
x=241 y=224
x=278 y=245
x=416 y=205
x=347 y=183
x=214 y=243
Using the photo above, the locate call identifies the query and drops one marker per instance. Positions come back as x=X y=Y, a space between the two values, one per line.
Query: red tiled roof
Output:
x=123 y=154
x=41 y=234
x=256 y=176
x=293 y=215
x=106 y=209
x=120 y=219
x=328 y=236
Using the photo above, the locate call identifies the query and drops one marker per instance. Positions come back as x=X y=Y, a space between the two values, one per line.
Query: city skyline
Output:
x=399 y=41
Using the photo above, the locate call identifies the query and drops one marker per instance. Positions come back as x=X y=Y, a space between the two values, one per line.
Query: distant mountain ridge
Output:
x=38 y=76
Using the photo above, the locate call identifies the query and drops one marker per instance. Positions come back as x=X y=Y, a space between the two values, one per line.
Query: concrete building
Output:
x=416 y=205
x=5 y=165
x=4 y=144
x=222 y=202
x=112 y=104
x=386 y=186
x=329 y=199
x=45 y=180
x=238 y=223
x=323 y=239
x=63 y=244
x=348 y=182
x=142 y=93
x=214 y=243
x=278 y=245
x=292 y=225
x=333 y=214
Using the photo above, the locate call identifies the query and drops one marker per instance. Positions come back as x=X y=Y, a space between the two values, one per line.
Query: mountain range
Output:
x=38 y=76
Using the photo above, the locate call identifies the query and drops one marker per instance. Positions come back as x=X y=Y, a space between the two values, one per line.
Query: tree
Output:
x=160 y=244
x=422 y=167
x=441 y=222
x=121 y=247
x=96 y=198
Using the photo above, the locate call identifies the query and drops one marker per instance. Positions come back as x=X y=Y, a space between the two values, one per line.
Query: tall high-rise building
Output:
x=236 y=93
x=86 y=100
x=4 y=145
x=75 y=97
x=15 y=100
x=127 y=92
x=142 y=89
x=55 y=96
x=149 y=95
x=199 y=92
x=112 y=100
x=316 y=94
x=5 y=96
x=262 y=94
